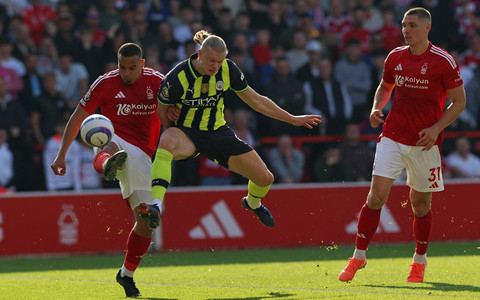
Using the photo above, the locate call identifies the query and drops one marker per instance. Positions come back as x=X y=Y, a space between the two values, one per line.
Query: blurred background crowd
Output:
x=309 y=56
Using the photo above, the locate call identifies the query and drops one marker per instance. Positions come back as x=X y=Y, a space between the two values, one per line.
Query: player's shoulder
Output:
x=443 y=56
x=106 y=79
x=151 y=72
x=397 y=52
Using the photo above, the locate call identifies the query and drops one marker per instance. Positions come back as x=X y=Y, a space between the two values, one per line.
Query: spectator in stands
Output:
x=109 y=16
x=167 y=45
x=140 y=33
x=378 y=57
x=326 y=96
x=12 y=115
x=35 y=15
x=242 y=26
x=276 y=23
x=6 y=159
x=66 y=39
x=48 y=58
x=355 y=74
x=261 y=48
x=92 y=24
x=32 y=83
x=71 y=180
x=183 y=33
x=286 y=161
x=471 y=57
x=258 y=11
x=225 y=25
x=356 y=154
x=242 y=124
x=373 y=17
x=48 y=110
x=298 y=55
x=463 y=163
x=7 y=60
x=212 y=173
x=391 y=32
x=335 y=25
x=72 y=79
x=241 y=41
x=358 y=32
x=329 y=166
x=287 y=93
x=14 y=82
x=90 y=179
x=472 y=90
x=24 y=43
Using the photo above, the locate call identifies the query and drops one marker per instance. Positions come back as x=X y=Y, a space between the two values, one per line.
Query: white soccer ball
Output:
x=96 y=130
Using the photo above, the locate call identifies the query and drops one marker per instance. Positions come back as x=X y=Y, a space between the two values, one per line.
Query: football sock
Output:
x=367 y=225
x=255 y=194
x=99 y=160
x=419 y=258
x=422 y=227
x=359 y=254
x=161 y=173
x=136 y=248
x=126 y=272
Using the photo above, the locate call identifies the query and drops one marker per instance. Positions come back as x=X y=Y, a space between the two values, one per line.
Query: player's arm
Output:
x=266 y=106
x=163 y=115
x=384 y=90
x=428 y=136
x=71 y=130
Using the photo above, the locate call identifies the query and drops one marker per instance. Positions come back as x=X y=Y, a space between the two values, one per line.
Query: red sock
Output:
x=422 y=227
x=367 y=225
x=136 y=248
x=99 y=160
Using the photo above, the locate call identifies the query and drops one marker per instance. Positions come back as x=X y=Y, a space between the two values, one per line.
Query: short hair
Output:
x=421 y=13
x=130 y=49
x=205 y=39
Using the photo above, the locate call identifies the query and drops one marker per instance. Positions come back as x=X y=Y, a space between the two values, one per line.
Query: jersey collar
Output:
x=194 y=71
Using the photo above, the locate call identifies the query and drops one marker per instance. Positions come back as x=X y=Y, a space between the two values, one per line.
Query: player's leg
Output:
x=260 y=178
x=174 y=144
x=367 y=224
x=388 y=166
x=422 y=228
x=138 y=243
x=424 y=173
x=108 y=159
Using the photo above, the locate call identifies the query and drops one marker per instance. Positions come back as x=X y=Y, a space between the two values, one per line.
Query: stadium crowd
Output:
x=309 y=56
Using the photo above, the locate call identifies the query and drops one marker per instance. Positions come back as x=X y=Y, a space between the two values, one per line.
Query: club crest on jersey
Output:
x=204 y=88
x=165 y=91
x=149 y=92
x=423 y=70
x=219 y=85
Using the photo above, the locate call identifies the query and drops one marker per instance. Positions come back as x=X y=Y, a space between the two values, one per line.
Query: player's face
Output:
x=130 y=68
x=210 y=61
x=414 y=31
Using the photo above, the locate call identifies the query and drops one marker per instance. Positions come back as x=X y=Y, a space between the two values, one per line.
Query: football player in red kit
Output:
x=128 y=97
x=422 y=75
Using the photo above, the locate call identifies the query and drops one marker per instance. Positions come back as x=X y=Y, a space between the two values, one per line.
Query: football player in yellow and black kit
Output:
x=197 y=86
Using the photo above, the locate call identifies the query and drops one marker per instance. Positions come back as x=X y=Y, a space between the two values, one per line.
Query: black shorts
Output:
x=216 y=145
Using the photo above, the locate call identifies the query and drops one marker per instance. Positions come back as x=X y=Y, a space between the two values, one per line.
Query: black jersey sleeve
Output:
x=238 y=82
x=170 y=90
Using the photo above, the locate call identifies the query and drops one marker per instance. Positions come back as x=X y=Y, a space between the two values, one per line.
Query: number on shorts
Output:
x=434 y=174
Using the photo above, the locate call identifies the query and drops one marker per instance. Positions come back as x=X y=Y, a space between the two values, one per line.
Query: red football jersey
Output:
x=131 y=108
x=421 y=84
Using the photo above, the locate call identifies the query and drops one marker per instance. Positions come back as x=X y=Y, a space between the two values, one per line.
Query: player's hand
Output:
x=173 y=113
x=307 y=120
x=59 y=166
x=376 y=118
x=428 y=137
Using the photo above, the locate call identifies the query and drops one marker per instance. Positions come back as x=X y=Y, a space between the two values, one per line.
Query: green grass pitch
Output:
x=453 y=272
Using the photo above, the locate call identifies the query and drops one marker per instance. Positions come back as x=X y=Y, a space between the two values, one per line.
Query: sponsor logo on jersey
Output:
x=120 y=95
x=207 y=101
x=204 y=88
x=149 y=92
x=423 y=70
x=219 y=85
x=411 y=82
x=136 y=109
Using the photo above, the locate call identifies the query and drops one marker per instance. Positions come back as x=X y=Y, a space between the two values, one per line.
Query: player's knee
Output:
x=375 y=201
x=266 y=179
x=168 y=142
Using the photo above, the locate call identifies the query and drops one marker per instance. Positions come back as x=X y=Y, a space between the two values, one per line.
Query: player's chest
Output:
x=418 y=75
x=137 y=99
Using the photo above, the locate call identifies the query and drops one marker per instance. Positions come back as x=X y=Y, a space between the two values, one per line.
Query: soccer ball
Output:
x=96 y=130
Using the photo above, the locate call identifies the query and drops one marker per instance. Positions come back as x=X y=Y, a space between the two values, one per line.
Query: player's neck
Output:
x=419 y=48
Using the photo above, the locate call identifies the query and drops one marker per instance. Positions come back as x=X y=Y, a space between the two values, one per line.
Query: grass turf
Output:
x=297 y=273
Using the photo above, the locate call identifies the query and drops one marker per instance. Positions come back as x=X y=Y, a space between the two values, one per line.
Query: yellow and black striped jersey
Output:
x=200 y=97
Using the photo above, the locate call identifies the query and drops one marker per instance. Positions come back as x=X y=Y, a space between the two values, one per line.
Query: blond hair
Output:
x=208 y=40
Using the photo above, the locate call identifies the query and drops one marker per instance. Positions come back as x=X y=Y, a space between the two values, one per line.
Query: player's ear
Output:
x=143 y=62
